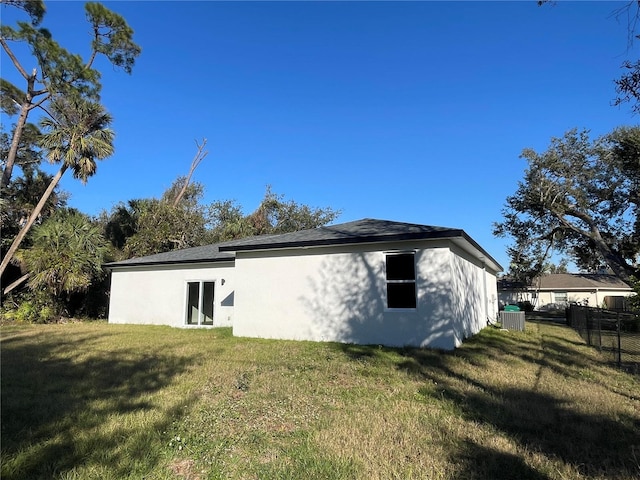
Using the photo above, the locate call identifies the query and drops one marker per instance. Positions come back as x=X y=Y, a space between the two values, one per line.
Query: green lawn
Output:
x=98 y=401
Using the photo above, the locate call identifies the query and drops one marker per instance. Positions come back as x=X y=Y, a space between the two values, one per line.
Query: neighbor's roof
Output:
x=360 y=231
x=207 y=253
x=581 y=281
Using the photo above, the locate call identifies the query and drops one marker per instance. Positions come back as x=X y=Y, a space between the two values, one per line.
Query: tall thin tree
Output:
x=59 y=72
x=75 y=137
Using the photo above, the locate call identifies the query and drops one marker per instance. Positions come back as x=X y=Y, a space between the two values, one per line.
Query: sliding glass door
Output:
x=200 y=301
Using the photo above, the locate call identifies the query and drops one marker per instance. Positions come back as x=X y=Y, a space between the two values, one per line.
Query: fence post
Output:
x=619 y=343
x=600 y=315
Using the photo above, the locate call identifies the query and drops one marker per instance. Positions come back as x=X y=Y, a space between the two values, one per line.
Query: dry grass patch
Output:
x=110 y=402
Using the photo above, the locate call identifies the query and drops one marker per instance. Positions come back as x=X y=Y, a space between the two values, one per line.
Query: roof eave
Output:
x=452 y=235
x=115 y=265
x=481 y=253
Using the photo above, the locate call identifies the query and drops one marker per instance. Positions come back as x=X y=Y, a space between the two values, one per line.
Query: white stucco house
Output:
x=363 y=282
x=558 y=290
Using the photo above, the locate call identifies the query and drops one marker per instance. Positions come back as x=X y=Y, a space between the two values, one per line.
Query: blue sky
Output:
x=407 y=111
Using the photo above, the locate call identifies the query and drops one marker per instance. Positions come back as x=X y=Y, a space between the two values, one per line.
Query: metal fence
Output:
x=616 y=334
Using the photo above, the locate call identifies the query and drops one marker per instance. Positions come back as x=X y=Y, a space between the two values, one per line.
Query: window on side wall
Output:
x=560 y=297
x=200 y=298
x=401 y=280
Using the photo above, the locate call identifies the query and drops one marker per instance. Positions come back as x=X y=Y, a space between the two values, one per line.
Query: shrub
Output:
x=29 y=307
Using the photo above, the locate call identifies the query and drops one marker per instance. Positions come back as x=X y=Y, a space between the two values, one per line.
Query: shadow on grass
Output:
x=58 y=393
x=477 y=462
x=535 y=419
x=360 y=353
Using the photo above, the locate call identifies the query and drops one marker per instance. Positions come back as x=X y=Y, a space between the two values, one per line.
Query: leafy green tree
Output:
x=66 y=256
x=149 y=226
x=29 y=154
x=121 y=223
x=274 y=215
x=277 y=215
x=75 y=137
x=59 y=72
x=20 y=198
x=579 y=197
x=34 y=8
x=228 y=222
x=561 y=267
x=162 y=227
x=22 y=194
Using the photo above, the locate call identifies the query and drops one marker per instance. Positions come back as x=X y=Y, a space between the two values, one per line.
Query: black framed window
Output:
x=401 y=280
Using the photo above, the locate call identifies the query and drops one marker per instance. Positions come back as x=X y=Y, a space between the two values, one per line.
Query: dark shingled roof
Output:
x=207 y=253
x=361 y=231
x=367 y=230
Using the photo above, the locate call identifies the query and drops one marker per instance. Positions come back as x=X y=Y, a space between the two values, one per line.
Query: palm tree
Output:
x=66 y=256
x=76 y=135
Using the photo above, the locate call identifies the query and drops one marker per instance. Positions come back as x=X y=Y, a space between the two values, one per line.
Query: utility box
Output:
x=512 y=320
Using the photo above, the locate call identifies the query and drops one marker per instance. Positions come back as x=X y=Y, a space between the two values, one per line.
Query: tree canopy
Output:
x=77 y=135
x=75 y=123
x=59 y=73
x=67 y=254
x=580 y=197
x=22 y=194
x=147 y=226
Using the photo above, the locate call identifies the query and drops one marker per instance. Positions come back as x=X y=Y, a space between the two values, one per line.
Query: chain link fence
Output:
x=615 y=334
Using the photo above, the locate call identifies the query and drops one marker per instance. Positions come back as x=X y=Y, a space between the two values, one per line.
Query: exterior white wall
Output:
x=339 y=294
x=510 y=297
x=592 y=298
x=157 y=294
x=491 y=278
x=474 y=293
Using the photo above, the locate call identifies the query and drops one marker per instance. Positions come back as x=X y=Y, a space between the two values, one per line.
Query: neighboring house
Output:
x=556 y=291
x=363 y=282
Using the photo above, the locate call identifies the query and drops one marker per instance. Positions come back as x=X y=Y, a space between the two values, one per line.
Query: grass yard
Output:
x=98 y=401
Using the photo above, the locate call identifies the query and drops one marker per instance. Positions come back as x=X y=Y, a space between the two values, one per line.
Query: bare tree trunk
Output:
x=25 y=108
x=32 y=219
x=15 y=142
x=620 y=267
x=17 y=134
x=16 y=283
x=194 y=164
